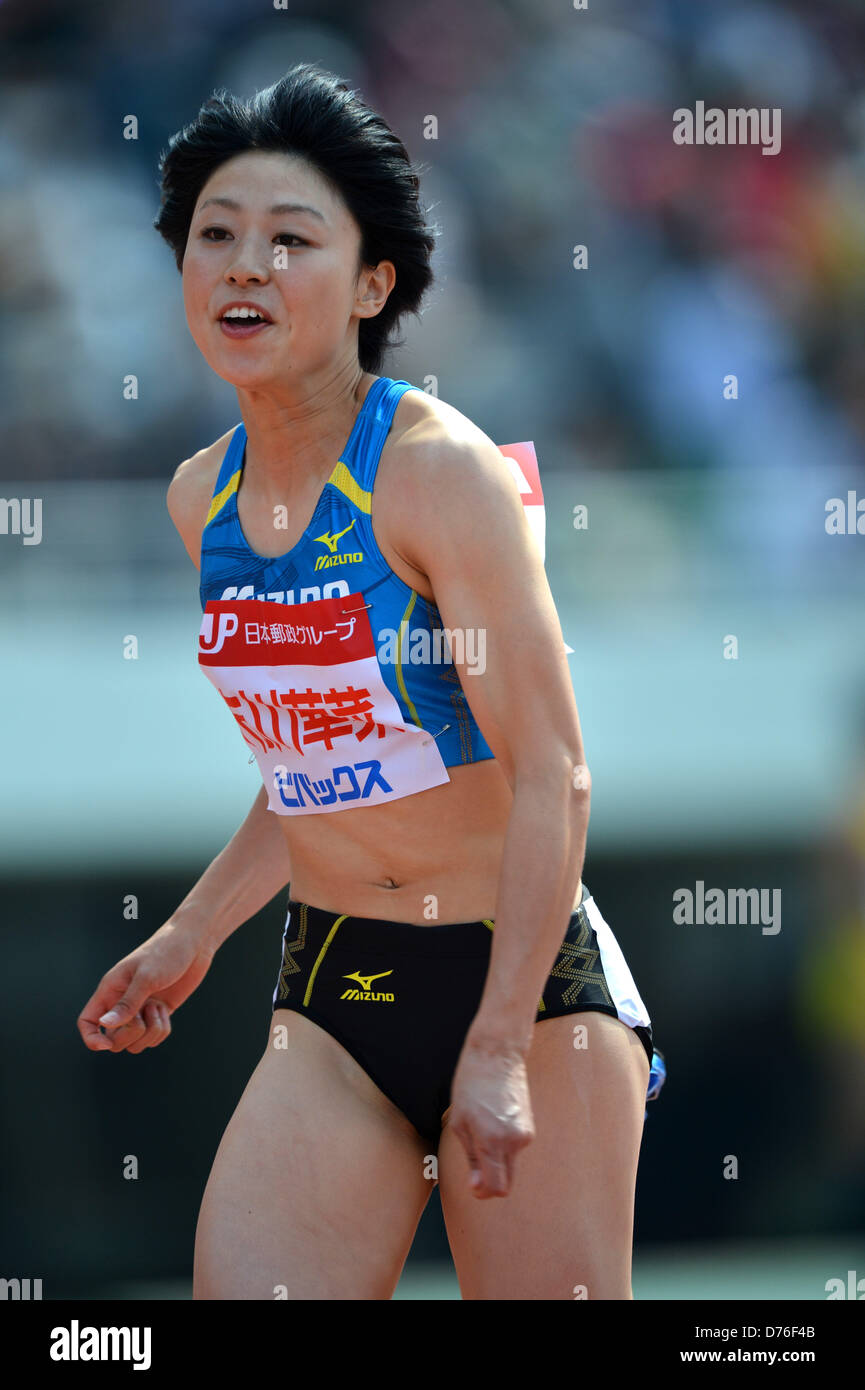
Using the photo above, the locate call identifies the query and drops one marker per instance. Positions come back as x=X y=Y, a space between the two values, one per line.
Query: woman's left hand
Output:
x=491 y=1113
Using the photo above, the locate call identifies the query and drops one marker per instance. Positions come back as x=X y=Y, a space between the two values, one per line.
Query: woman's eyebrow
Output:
x=275 y=210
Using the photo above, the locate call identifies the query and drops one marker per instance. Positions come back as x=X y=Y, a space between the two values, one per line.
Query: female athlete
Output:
x=425 y=800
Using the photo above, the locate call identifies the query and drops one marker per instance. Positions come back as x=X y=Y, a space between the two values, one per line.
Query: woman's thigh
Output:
x=318 y=1183
x=565 y=1230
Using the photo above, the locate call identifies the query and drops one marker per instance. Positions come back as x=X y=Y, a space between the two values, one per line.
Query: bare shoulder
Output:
x=190 y=491
x=428 y=428
x=438 y=458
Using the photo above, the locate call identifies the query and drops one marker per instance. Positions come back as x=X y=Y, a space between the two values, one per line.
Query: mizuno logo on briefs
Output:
x=331 y=540
x=366 y=992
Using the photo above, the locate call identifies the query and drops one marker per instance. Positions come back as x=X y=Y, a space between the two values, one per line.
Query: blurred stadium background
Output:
x=706 y=519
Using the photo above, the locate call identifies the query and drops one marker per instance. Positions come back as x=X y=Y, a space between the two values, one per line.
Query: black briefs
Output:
x=400 y=998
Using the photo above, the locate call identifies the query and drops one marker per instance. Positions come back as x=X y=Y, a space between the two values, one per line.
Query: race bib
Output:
x=304 y=684
x=523 y=463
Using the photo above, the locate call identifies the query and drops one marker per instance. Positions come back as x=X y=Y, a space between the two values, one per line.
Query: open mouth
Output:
x=242 y=325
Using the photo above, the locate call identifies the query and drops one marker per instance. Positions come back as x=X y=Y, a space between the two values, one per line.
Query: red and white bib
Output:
x=304 y=684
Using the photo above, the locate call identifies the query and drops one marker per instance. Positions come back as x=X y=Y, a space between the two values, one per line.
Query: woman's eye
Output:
x=282 y=236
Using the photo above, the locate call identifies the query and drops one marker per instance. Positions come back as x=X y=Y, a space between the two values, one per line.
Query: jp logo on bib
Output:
x=304 y=684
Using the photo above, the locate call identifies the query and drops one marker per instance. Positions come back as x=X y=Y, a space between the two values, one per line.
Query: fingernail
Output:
x=110 y=1018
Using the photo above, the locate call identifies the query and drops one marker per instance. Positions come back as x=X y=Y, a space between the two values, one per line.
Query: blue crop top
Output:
x=338 y=673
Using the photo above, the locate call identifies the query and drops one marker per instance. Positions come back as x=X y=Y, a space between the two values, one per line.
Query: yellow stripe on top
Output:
x=400 y=678
x=223 y=495
x=331 y=934
x=342 y=479
x=542 y=1008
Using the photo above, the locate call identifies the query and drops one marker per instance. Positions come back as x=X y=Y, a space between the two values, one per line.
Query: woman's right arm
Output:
x=254 y=864
x=134 y=1001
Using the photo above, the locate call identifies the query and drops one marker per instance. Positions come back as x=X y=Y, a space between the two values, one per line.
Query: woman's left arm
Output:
x=486 y=572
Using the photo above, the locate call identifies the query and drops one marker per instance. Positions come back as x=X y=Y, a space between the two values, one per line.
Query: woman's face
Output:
x=313 y=293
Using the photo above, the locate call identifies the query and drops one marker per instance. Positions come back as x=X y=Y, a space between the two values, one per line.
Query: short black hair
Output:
x=313 y=113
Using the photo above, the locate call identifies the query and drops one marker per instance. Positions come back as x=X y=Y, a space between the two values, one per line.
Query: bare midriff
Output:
x=428 y=859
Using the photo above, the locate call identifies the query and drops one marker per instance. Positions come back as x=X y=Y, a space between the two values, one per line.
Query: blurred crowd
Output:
x=554 y=130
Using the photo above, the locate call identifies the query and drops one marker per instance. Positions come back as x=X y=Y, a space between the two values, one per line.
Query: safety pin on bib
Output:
x=432 y=736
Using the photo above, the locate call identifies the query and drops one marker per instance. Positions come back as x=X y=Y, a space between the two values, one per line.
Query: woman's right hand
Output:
x=134 y=1001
